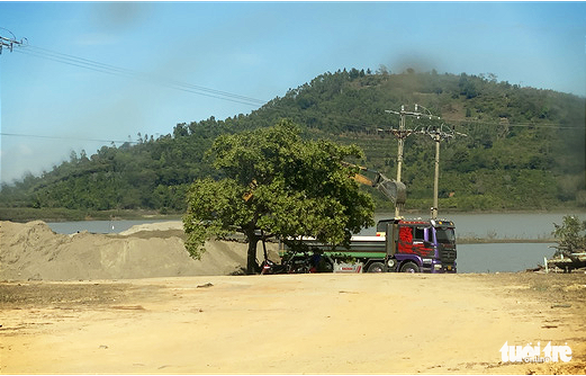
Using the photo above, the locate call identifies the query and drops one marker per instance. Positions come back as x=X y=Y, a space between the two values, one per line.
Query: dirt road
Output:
x=326 y=323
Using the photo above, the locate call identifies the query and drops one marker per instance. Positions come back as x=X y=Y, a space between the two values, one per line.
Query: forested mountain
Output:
x=524 y=147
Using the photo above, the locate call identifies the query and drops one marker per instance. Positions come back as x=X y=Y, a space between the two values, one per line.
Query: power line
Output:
x=111 y=69
x=88 y=64
x=177 y=85
x=524 y=125
x=66 y=138
x=127 y=73
x=39 y=52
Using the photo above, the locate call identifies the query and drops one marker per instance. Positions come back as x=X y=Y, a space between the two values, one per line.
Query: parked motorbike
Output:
x=298 y=263
x=291 y=263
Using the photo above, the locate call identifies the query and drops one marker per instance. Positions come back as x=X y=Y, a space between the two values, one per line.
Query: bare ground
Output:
x=322 y=323
x=136 y=303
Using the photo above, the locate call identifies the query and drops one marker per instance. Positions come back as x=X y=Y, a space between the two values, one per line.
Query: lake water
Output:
x=98 y=227
x=501 y=257
x=472 y=258
x=499 y=226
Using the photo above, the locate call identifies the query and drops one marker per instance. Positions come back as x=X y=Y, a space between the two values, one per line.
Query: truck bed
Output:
x=360 y=246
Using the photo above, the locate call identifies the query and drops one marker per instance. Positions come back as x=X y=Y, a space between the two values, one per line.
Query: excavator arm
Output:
x=396 y=191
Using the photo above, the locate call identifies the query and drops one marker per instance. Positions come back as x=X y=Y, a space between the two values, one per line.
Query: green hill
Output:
x=524 y=148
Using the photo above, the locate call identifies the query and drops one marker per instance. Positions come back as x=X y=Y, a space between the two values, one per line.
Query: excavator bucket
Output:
x=395 y=190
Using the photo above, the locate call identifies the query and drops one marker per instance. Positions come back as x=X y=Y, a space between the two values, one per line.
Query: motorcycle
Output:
x=291 y=263
x=296 y=262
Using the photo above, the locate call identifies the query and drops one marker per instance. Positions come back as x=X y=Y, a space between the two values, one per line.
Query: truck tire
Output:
x=410 y=267
x=376 y=267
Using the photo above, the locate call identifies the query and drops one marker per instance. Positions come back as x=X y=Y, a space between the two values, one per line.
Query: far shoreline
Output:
x=23 y=215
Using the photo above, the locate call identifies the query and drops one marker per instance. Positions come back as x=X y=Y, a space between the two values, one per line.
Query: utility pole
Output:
x=402 y=133
x=435 y=207
x=438 y=134
x=9 y=42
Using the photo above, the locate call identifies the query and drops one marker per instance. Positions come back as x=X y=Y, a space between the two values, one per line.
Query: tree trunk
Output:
x=252 y=266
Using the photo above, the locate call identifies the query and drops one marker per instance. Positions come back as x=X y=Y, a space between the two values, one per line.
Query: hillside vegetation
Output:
x=524 y=148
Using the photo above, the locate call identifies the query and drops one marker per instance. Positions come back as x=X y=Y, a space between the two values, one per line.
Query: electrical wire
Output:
x=127 y=73
x=79 y=62
x=213 y=93
x=66 y=138
x=524 y=125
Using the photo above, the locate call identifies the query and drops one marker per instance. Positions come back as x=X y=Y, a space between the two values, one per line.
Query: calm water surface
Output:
x=501 y=257
x=98 y=227
x=500 y=226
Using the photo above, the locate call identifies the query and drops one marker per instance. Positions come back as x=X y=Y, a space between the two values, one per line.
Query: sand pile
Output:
x=32 y=251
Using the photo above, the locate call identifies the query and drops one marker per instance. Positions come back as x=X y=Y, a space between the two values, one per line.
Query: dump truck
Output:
x=400 y=245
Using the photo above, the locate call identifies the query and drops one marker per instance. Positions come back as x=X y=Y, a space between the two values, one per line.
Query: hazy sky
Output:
x=256 y=50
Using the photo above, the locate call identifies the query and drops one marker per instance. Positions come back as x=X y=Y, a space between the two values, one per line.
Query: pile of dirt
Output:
x=32 y=251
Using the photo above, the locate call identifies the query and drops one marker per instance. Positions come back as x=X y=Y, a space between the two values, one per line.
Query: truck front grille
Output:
x=448 y=256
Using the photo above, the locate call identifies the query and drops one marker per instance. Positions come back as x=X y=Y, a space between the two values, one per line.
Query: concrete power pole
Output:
x=438 y=134
x=9 y=42
x=402 y=133
x=434 y=208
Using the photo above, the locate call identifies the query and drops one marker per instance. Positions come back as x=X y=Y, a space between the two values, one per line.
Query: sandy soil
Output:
x=320 y=323
x=32 y=251
x=135 y=303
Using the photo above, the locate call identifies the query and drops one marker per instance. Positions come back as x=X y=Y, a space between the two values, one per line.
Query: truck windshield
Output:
x=445 y=235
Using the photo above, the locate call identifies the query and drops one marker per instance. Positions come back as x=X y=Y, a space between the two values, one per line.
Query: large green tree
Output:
x=275 y=184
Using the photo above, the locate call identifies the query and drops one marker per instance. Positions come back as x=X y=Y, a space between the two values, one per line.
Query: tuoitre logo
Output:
x=534 y=354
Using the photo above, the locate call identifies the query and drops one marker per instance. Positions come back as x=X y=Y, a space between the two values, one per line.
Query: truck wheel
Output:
x=376 y=267
x=410 y=267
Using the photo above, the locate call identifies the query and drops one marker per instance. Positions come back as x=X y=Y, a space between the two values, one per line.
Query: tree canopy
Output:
x=570 y=235
x=276 y=184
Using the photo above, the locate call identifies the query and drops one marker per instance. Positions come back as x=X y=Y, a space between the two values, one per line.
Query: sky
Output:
x=93 y=73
